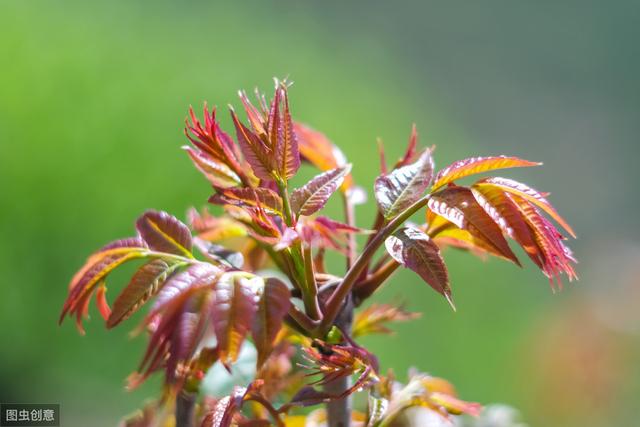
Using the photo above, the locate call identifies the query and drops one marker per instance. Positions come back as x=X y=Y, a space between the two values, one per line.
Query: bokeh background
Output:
x=92 y=101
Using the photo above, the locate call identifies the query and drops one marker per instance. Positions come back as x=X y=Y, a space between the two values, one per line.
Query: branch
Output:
x=344 y=288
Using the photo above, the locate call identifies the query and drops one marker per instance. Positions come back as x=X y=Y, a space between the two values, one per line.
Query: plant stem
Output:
x=339 y=410
x=350 y=218
x=185 y=408
x=343 y=290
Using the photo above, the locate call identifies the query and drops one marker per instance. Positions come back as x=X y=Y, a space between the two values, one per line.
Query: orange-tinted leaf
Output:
x=143 y=285
x=312 y=197
x=273 y=306
x=413 y=249
x=463 y=239
x=164 y=233
x=101 y=301
x=372 y=320
x=458 y=205
x=475 y=165
x=286 y=143
x=255 y=151
x=196 y=275
x=93 y=273
x=513 y=224
x=214 y=229
x=400 y=188
x=318 y=150
x=234 y=308
x=556 y=257
x=218 y=174
x=258 y=197
x=528 y=193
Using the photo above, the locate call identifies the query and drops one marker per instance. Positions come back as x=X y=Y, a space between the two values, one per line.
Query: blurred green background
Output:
x=92 y=101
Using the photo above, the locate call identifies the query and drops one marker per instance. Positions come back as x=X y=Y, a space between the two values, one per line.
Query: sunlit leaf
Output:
x=95 y=270
x=273 y=305
x=372 y=320
x=257 y=197
x=318 y=150
x=556 y=257
x=459 y=206
x=475 y=165
x=312 y=197
x=400 y=188
x=218 y=174
x=143 y=285
x=413 y=249
x=164 y=233
x=286 y=143
x=256 y=152
x=225 y=409
x=234 y=308
x=513 y=224
x=528 y=193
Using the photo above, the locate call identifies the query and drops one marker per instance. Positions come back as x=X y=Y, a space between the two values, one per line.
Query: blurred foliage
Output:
x=92 y=101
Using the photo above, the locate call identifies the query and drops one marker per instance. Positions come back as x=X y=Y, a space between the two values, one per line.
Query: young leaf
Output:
x=143 y=285
x=196 y=275
x=528 y=193
x=413 y=249
x=514 y=225
x=475 y=165
x=372 y=320
x=400 y=188
x=164 y=233
x=93 y=273
x=312 y=197
x=218 y=174
x=458 y=205
x=556 y=257
x=259 y=155
x=234 y=308
x=318 y=150
x=273 y=306
x=262 y=197
x=288 y=156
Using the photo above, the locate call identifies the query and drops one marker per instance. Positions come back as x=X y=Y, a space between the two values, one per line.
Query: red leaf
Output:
x=528 y=193
x=196 y=275
x=95 y=270
x=402 y=187
x=286 y=144
x=312 y=197
x=413 y=249
x=143 y=285
x=556 y=257
x=256 y=152
x=164 y=233
x=260 y=197
x=458 y=205
x=273 y=306
x=225 y=408
x=513 y=224
x=218 y=174
x=475 y=165
x=234 y=308
x=318 y=150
